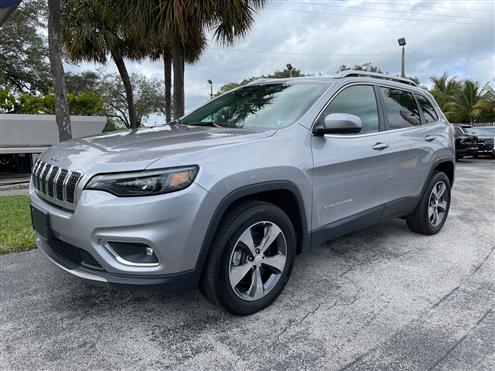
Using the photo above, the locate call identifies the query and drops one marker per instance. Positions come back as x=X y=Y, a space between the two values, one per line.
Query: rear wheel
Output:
x=251 y=258
x=433 y=208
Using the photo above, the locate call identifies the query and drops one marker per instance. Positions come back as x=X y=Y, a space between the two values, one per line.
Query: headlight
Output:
x=144 y=183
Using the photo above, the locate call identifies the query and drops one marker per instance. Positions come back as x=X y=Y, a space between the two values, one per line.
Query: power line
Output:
x=358 y=7
x=423 y=4
x=253 y=51
x=376 y=16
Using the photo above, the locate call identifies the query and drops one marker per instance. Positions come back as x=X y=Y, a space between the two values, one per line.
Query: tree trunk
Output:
x=124 y=75
x=178 y=61
x=62 y=112
x=167 y=75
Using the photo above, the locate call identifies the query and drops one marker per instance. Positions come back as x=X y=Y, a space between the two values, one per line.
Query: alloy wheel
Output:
x=437 y=204
x=257 y=260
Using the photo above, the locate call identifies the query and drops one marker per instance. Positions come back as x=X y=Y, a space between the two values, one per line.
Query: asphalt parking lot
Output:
x=381 y=298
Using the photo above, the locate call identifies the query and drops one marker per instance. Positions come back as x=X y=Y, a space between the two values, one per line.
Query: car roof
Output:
x=350 y=75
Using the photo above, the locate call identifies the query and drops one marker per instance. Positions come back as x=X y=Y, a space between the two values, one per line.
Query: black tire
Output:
x=215 y=283
x=457 y=158
x=419 y=221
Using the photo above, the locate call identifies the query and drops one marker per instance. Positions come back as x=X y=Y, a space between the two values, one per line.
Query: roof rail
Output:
x=351 y=73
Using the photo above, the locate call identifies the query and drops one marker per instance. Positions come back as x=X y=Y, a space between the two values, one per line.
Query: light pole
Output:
x=289 y=67
x=402 y=42
x=211 y=88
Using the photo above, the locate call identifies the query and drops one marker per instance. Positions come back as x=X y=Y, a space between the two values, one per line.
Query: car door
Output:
x=412 y=136
x=350 y=170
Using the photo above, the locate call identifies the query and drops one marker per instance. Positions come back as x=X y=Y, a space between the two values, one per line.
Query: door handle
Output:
x=430 y=138
x=380 y=146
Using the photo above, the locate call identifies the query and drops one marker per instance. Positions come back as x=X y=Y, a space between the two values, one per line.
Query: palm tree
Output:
x=62 y=112
x=484 y=110
x=90 y=34
x=444 y=89
x=469 y=102
x=184 y=23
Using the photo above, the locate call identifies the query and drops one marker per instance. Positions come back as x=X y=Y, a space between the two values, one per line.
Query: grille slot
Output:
x=60 y=183
x=55 y=183
x=51 y=178
x=74 y=254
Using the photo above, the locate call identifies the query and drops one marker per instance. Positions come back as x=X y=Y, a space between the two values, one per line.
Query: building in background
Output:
x=24 y=137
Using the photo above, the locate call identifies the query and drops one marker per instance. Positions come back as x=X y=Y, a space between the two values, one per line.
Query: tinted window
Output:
x=400 y=108
x=357 y=100
x=428 y=110
x=467 y=130
x=268 y=106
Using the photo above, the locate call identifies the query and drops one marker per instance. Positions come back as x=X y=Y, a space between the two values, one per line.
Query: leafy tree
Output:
x=23 y=50
x=85 y=103
x=285 y=73
x=148 y=95
x=7 y=100
x=277 y=74
x=368 y=67
x=86 y=81
x=62 y=112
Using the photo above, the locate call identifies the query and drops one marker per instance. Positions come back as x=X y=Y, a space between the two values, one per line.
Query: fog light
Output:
x=149 y=251
x=132 y=253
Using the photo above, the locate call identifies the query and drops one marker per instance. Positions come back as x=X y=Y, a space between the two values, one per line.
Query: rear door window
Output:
x=401 y=110
x=428 y=111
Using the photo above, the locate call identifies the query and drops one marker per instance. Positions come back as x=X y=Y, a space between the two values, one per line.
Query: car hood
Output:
x=138 y=148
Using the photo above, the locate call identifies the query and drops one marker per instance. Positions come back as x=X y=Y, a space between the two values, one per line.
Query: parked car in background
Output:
x=466 y=141
x=486 y=139
x=227 y=196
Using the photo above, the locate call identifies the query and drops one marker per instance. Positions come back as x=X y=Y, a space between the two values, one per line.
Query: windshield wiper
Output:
x=199 y=123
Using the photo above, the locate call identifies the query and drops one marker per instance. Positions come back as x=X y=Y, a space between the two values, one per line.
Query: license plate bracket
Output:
x=41 y=223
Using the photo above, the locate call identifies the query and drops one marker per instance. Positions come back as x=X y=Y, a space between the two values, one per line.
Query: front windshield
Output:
x=267 y=106
x=489 y=131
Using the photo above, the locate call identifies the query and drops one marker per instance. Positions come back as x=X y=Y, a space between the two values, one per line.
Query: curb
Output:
x=11 y=187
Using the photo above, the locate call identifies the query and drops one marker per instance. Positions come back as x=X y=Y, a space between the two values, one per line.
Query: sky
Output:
x=317 y=36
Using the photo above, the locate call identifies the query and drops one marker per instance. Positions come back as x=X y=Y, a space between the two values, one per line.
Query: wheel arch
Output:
x=447 y=167
x=444 y=164
x=283 y=194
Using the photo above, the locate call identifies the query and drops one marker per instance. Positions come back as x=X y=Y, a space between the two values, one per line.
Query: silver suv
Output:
x=227 y=196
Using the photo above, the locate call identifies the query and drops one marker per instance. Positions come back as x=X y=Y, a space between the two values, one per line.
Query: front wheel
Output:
x=251 y=258
x=433 y=208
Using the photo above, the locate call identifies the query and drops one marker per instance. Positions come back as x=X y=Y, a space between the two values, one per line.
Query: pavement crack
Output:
x=456 y=344
x=445 y=297
x=484 y=260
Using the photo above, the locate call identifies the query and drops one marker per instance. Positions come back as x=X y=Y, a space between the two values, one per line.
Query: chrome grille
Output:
x=55 y=183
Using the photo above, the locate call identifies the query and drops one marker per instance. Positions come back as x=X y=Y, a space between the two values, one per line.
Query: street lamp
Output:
x=402 y=42
x=289 y=67
x=211 y=88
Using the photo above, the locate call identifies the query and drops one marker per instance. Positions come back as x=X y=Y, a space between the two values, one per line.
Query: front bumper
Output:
x=173 y=225
x=168 y=282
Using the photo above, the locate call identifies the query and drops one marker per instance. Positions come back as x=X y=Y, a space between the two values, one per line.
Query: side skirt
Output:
x=394 y=209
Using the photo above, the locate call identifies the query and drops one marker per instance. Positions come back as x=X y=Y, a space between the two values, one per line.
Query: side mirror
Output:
x=339 y=123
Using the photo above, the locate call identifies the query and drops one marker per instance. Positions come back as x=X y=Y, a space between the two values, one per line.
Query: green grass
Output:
x=16 y=233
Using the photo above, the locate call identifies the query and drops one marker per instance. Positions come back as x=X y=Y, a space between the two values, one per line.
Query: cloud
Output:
x=319 y=36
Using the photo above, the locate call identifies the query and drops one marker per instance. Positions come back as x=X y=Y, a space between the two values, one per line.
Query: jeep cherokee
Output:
x=228 y=195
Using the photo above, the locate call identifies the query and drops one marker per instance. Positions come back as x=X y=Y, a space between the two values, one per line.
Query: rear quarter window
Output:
x=429 y=112
x=400 y=108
